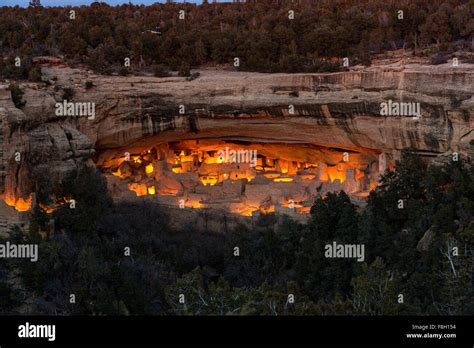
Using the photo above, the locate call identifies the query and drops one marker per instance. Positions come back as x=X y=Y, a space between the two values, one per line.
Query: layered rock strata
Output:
x=338 y=111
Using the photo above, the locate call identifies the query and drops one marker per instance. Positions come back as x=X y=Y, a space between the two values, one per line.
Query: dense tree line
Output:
x=409 y=251
x=259 y=33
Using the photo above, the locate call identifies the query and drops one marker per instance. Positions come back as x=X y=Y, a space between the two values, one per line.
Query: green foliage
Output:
x=160 y=70
x=86 y=190
x=86 y=254
x=184 y=70
x=259 y=33
x=124 y=71
x=193 y=76
x=17 y=95
x=294 y=94
x=68 y=93
x=35 y=74
x=334 y=218
x=374 y=292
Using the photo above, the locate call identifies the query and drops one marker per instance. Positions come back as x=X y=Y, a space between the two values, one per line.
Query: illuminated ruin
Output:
x=20 y=204
x=284 y=178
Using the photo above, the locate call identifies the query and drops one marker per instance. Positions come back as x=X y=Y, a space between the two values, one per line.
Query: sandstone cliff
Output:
x=338 y=110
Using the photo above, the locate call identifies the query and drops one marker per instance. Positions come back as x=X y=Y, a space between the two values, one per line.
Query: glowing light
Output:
x=358 y=174
x=303 y=210
x=271 y=175
x=214 y=160
x=47 y=210
x=178 y=170
x=20 y=204
x=243 y=210
x=283 y=166
x=361 y=194
x=194 y=204
x=283 y=180
x=190 y=160
x=335 y=174
x=139 y=189
x=372 y=185
x=209 y=180
x=149 y=168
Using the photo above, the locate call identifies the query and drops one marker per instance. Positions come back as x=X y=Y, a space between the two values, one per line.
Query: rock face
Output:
x=337 y=110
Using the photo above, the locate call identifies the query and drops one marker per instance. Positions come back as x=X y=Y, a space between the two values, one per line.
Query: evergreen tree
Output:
x=35 y=3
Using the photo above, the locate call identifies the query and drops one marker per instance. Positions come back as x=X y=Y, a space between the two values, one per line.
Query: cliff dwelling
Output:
x=238 y=150
x=215 y=173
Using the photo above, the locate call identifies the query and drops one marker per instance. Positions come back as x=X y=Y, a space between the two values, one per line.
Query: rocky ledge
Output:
x=336 y=110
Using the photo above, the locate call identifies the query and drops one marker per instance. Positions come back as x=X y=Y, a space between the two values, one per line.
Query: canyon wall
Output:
x=132 y=113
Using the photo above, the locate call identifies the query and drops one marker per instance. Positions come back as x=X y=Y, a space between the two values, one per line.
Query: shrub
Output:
x=124 y=71
x=439 y=58
x=322 y=66
x=35 y=74
x=161 y=71
x=68 y=93
x=193 y=76
x=184 y=70
x=17 y=95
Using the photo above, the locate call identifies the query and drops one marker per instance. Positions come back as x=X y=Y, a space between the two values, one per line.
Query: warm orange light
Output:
x=275 y=169
x=358 y=174
x=209 y=180
x=283 y=179
x=361 y=194
x=307 y=176
x=214 y=160
x=303 y=210
x=194 y=204
x=244 y=211
x=372 y=185
x=20 y=204
x=149 y=168
x=47 y=210
x=283 y=166
x=335 y=173
x=139 y=189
